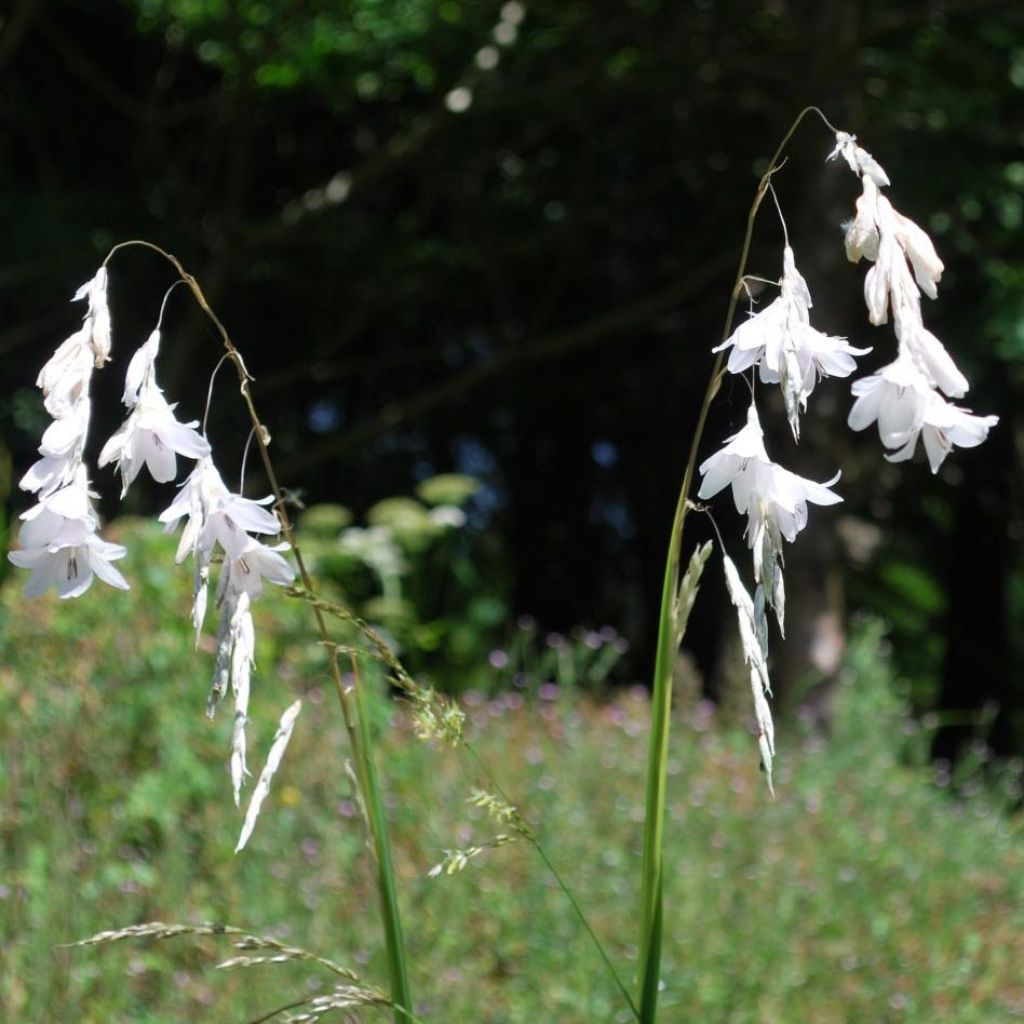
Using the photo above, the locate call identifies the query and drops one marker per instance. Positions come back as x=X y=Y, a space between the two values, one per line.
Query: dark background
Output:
x=527 y=289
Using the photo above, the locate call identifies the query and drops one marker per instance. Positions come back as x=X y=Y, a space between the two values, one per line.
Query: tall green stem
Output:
x=360 y=737
x=669 y=637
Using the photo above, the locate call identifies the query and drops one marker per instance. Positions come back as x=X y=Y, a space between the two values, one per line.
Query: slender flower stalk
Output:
x=670 y=636
x=352 y=709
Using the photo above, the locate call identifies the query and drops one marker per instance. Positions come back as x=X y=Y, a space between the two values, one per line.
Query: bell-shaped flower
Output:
x=945 y=426
x=787 y=349
x=70 y=568
x=744 y=464
x=216 y=515
x=901 y=399
x=65 y=552
x=895 y=397
x=230 y=519
x=152 y=436
x=60 y=515
x=64 y=379
x=61 y=449
x=774 y=499
x=202 y=490
x=256 y=563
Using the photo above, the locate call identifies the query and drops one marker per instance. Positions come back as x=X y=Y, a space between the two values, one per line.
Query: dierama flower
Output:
x=903 y=397
x=60 y=546
x=216 y=514
x=901 y=400
x=97 y=318
x=787 y=349
x=152 y=435
x=774 y=500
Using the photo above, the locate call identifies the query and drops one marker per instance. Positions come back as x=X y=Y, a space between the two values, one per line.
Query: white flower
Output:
x=774 y=500
x=888 y=282
x=151 y=436
x=97 y=319
x=860 y=160
x=61 y=448
x=921 y=253
x=781 y=341
x=900 y=398
x=896 y=397
x=69 y=561
x=754 y=638
x=256 y=562
x=140 y=369
x=946 y=426
x=861 y=238
x=931 y=356
x=230 y=518
x=64 y=379
x=62 y=514
x=744 y=464
x=216 y=515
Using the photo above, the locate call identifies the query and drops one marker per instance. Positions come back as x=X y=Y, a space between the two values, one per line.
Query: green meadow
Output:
x=873 y=888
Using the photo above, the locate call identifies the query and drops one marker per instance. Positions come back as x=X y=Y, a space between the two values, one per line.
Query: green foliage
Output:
x=869 y=887
x=362 y=48
x=418 y=573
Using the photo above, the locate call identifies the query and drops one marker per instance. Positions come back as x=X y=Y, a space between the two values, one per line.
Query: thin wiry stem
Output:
x=669 y=638
x=348 y=697
x=529 y=835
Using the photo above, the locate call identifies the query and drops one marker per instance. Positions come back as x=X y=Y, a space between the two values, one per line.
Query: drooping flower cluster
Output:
x=59 y=542
x=215 y=516
x=788 y=351
x=905 y=397
x=775 y=503
x=58 y=537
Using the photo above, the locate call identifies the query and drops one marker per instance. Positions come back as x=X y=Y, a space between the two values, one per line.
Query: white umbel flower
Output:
x=787 y=349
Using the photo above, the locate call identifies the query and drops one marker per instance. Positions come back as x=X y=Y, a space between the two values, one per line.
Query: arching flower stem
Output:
x=353 y=710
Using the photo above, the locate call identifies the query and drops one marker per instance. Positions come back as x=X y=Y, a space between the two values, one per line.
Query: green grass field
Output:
x=869 y=891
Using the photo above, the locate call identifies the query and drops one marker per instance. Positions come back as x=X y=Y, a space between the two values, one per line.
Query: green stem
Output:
x=669 y=638
x=386 y=891
x=359 y=734
x=562 y=884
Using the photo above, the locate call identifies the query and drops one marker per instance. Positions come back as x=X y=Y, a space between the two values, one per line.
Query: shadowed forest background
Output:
x=476 y=255
x=498 y=240
x=457 y=237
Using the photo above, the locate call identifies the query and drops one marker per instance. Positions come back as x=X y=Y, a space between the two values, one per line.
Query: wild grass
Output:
x=872 y=889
